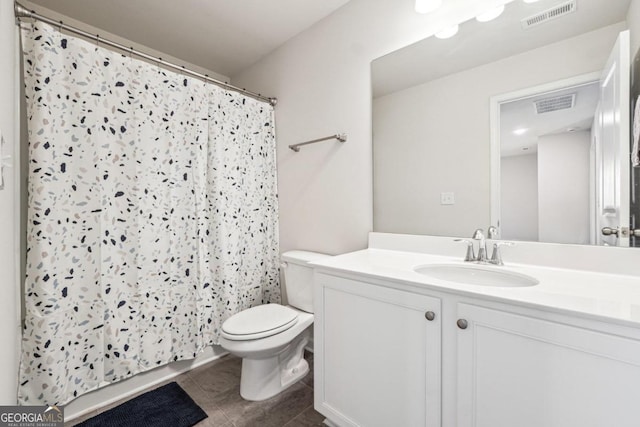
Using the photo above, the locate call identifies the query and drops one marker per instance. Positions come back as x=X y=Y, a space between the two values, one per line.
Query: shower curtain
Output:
x=152 y=215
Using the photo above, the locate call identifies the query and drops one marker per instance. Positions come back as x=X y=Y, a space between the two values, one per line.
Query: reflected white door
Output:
x=612 y=146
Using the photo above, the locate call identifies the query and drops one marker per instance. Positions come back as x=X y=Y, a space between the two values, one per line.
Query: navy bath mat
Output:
x=167 y=406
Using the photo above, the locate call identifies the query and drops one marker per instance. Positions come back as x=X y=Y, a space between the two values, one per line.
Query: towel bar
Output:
x=342 y=137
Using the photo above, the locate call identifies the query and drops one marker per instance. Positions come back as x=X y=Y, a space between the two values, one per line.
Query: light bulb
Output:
x=447 y=32
x=426 y=6
x=490 y=14
x=530 y=1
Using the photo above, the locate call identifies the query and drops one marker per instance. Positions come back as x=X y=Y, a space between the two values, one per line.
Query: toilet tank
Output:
x=298 y=278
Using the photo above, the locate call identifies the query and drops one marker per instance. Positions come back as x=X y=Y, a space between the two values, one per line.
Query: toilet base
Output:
x=265 y=377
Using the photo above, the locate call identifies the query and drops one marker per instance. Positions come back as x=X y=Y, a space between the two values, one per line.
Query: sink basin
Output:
x=476 y=275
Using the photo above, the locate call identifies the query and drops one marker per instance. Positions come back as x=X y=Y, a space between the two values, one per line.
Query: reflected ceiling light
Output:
x=447 y=32
x=426 y=6
x=490 y=14
x=520 y=131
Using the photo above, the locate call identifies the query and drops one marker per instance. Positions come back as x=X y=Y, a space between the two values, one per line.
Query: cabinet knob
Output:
x=430 y=315
x=462 y=324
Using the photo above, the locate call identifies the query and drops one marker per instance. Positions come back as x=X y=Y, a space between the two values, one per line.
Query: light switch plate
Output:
x=447 y=199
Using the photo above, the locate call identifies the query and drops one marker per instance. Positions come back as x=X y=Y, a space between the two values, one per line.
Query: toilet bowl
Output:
x=271 y=338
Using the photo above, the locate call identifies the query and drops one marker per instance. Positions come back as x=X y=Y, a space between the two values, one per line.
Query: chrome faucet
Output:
x=481 y=258
x=478 y=235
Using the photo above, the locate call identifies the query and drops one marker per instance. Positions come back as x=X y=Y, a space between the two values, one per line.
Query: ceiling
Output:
x=482 y=43
x=521 y=115
x=225 y=36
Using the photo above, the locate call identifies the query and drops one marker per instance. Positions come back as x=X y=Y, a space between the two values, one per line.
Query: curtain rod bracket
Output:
x=21 y=11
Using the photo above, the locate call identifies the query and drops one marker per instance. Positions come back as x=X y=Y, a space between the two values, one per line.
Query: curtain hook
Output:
x=131 y=52
x=60 y=24
x=97 y=40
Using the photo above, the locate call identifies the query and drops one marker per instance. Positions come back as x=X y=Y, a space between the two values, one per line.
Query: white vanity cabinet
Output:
x=377 y=354
x=478 y=363
x=516 y=370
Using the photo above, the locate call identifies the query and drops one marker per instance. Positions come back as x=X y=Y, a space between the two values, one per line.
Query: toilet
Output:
x=271 y=338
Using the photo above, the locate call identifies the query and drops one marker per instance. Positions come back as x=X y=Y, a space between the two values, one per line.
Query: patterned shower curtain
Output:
x=152 y=215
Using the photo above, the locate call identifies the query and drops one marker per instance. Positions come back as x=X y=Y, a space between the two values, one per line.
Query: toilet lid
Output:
x=259 y=322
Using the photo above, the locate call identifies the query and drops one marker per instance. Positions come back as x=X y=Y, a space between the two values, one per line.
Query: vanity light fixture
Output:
x=426 y=6
x=447 y=32
x=490 y=15
x=520 y=131
x=530 y=1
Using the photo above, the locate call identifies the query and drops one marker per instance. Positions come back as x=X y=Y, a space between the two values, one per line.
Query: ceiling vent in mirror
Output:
x=558 y=11
x=555 y=103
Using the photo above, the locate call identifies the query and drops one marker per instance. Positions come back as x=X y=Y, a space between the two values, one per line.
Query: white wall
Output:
x=322 y=81
x=425 y=145
x=9 y=237
x=519 y=197
x=563 y=187
x=633 y=21
x=435 y=137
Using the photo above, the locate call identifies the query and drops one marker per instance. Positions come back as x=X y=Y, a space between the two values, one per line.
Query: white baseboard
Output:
x=121 y=390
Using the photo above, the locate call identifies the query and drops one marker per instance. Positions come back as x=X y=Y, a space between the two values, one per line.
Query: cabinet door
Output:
x=377 y=355
x=520 y=371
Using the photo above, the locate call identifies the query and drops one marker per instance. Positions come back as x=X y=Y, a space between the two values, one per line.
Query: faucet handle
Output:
x=492 y=232
x=496 y=256
x=471 y=256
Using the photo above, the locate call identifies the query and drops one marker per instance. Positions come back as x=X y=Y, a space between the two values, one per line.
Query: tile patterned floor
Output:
x=216 y=388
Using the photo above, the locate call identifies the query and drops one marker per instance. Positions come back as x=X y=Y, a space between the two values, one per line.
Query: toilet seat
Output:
x=259 y=322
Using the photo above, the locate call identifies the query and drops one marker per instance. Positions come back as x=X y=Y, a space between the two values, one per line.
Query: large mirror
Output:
x=521 y=123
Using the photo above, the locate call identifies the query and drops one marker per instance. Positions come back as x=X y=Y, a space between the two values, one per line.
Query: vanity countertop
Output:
x=602 y=296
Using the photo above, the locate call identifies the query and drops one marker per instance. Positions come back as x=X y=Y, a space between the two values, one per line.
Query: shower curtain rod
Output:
x=23 y=12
